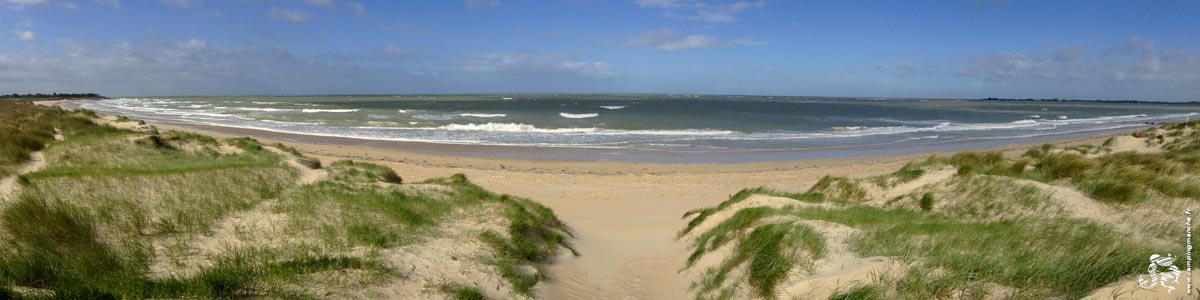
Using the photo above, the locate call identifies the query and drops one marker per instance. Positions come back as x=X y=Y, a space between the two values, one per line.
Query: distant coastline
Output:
x=52 y=96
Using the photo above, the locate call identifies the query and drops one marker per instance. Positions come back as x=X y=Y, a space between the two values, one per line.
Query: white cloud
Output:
x=701 y=11
x=668 y=40
x=482 y=3
x=116 y=4
x=1139 y=62
x=25 y=35
x=193 y=44
x=536 y=65
x=288 y=15
x=20 y=4
x=358 y=8
x=182 y=3
x=195 y=67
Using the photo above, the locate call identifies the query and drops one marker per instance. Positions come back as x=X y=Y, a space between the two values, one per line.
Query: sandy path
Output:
x=626 y=223
x=9 y=185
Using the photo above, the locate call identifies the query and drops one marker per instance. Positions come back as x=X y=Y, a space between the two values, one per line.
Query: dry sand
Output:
x=626 y=215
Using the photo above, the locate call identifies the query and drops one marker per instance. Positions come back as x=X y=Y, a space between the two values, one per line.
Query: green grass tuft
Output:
x=926 y=202
x=861 y=292
x=462 y=292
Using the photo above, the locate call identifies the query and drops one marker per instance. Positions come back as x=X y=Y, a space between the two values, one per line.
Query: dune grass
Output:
x=1114 y=177
x=861 y=292
x=534 y=235
x=839 y=188
x=966 y=235
x=94 y=223
x=766 y=251
x=702 y=214
x=462 y=292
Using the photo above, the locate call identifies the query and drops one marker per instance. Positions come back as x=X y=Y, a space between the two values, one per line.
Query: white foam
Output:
x=435 y=117
x=512 y=127
x=846 y=128
x=577 y=116
x=314 y=110
x=613 y=107
x=518 y=127
x=291 y=123
x=263 y=109
x=259 y=102
x=478 y=115
x=403 y=111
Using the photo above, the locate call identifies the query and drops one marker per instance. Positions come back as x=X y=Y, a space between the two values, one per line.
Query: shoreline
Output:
x=480 y=156
x=392 y=153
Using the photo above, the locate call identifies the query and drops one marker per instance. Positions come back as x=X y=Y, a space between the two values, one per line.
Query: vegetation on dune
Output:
x=862 y=292
x=462 y=292
x=702 y=214
x=122 y=214
x=25 y=128
x=534 y=235
x=840 y=188
x=765 y=250
x=961 y=237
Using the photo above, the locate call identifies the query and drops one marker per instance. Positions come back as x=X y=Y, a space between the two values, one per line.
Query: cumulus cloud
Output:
x=288 y=15
x=1138 y=61
x=668 y=40
x=482 y=3
x=182 y=3
x=701 y=11
x=25 y=35
x=536 y=65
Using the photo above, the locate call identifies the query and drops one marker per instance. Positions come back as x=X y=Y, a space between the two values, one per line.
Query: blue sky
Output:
x=937 y=49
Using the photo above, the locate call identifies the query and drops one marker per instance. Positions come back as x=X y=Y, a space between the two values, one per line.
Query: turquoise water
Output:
x=671 y=123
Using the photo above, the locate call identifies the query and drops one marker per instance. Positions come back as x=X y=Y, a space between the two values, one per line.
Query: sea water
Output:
x=666 y=123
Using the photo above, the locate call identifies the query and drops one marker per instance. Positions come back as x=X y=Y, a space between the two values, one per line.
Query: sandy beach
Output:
x=625 y=214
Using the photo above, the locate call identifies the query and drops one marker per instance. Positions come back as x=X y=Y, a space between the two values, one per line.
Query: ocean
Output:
x=720 y=128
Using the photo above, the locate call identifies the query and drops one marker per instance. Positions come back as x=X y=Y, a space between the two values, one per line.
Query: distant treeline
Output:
x=1090 y=100
x=54 y=96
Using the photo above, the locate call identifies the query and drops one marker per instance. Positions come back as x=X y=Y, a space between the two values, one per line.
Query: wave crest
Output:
x=479 y=115
x=577 y=116
x=316 y=110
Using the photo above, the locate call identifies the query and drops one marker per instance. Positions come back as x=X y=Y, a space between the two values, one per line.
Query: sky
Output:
x=1142 y=50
